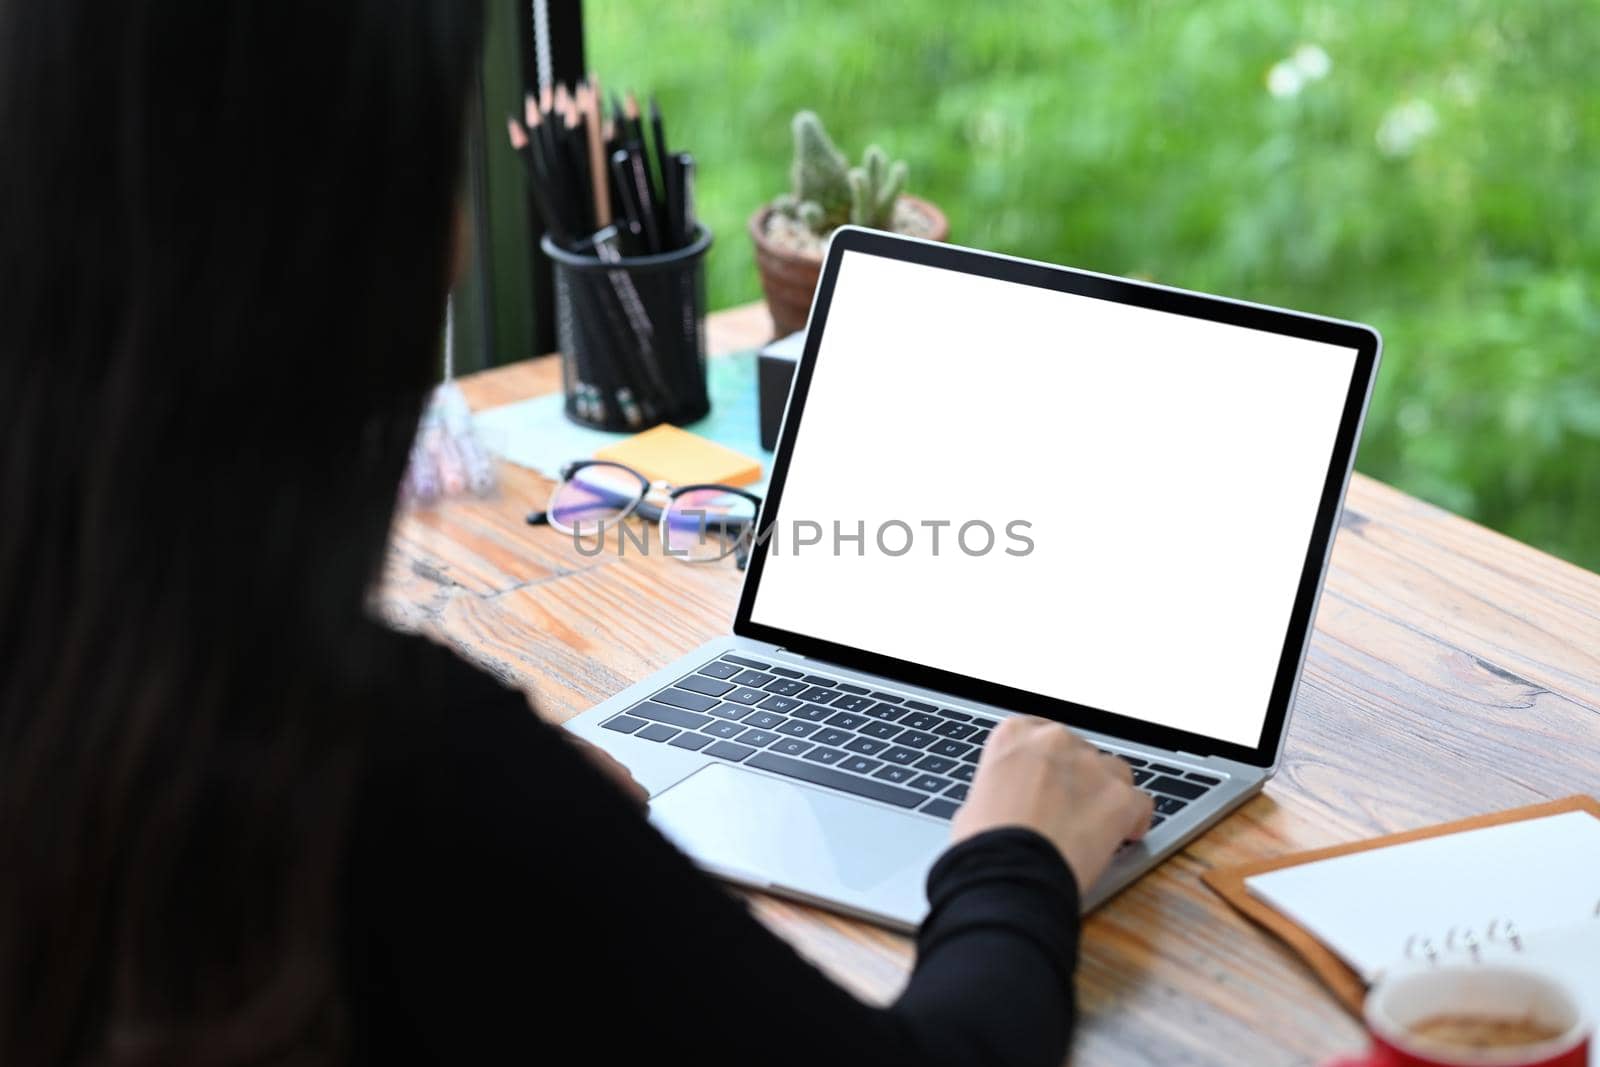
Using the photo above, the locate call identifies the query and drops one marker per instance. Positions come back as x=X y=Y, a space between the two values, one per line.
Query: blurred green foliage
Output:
x=1427 y=167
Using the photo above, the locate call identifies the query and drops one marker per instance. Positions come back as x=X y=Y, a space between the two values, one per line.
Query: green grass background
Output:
x=1141 y=138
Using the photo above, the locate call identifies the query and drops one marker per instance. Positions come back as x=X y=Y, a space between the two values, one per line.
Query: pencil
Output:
x=597 y=163
x=543 y=155
x=631 y=132
x=575 y=161
x=554 y=220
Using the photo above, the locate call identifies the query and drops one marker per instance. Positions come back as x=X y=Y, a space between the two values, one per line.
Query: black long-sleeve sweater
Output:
x=504 y=903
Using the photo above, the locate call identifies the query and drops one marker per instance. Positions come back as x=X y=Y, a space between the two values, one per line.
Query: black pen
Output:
x=633 y=162
x=658 y=159
x=649 y=212
x=627 y=202
x=672 y=200
x=686 y=169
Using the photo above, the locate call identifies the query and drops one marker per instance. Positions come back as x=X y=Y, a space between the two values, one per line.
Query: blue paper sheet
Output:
x=536 y=433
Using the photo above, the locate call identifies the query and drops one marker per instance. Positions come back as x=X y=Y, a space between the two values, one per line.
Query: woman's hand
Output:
x=1038 y=774
x=608 y=766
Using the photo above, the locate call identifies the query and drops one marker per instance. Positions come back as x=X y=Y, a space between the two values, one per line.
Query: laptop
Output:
x=1004 y=487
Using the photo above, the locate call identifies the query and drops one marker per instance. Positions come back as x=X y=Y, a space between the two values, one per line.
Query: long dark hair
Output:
x=225 y=237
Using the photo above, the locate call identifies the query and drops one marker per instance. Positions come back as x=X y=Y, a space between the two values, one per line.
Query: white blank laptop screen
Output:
x=1169 y=470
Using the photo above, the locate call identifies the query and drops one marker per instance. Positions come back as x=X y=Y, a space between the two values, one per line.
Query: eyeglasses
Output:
x=698 y=523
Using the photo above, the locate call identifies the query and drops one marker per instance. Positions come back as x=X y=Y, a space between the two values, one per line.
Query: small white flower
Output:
x=1404 y=126
x=1414 y=418
x=1311 y=61
x=989 y=128
x=1462 y=88
x=1284 y=79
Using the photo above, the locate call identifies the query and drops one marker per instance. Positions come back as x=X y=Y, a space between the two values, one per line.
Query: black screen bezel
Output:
x=1362 y=339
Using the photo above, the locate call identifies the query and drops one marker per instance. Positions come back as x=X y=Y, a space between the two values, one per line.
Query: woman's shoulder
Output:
x=458 y=769
x=437 y=707
x=429 y=671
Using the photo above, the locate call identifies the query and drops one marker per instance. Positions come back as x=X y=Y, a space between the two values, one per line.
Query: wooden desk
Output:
x=1453 y=671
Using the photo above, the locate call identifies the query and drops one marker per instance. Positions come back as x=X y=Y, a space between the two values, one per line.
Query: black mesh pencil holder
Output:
x=632 y=335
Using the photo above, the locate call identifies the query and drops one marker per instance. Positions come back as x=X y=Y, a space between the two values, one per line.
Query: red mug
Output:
x=1490 y=990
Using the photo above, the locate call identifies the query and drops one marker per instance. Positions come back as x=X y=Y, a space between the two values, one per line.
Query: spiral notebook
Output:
x=1522 y=883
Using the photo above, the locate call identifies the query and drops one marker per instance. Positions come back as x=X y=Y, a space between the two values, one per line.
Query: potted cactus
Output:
x=826 y=192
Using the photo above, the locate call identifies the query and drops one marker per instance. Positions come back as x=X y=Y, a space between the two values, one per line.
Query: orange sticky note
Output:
x=678 y=457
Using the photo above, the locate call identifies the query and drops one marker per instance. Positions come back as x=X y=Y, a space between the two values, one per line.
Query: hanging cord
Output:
x=541 y=44
x=450 y=338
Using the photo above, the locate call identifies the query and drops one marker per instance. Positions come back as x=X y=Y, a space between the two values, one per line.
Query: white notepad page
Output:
x=1541 y=874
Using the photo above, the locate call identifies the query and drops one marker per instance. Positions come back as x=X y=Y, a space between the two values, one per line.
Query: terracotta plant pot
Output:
x=788 y=278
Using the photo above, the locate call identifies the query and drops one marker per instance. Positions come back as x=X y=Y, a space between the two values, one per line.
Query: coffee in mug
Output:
x=1472 y=1015
x=1463 y=1031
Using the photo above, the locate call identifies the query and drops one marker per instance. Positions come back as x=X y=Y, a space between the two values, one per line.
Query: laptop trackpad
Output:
x=767 y=832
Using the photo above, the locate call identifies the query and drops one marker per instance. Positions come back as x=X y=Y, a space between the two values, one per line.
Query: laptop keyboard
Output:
x=882 y=746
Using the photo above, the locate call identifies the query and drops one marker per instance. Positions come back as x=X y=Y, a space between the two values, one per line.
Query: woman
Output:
x=240 y=822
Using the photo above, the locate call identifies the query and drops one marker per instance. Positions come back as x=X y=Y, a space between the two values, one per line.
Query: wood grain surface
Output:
x=1453 y=671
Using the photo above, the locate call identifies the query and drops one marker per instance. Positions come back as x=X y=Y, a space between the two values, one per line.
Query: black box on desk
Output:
x=774 y=375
